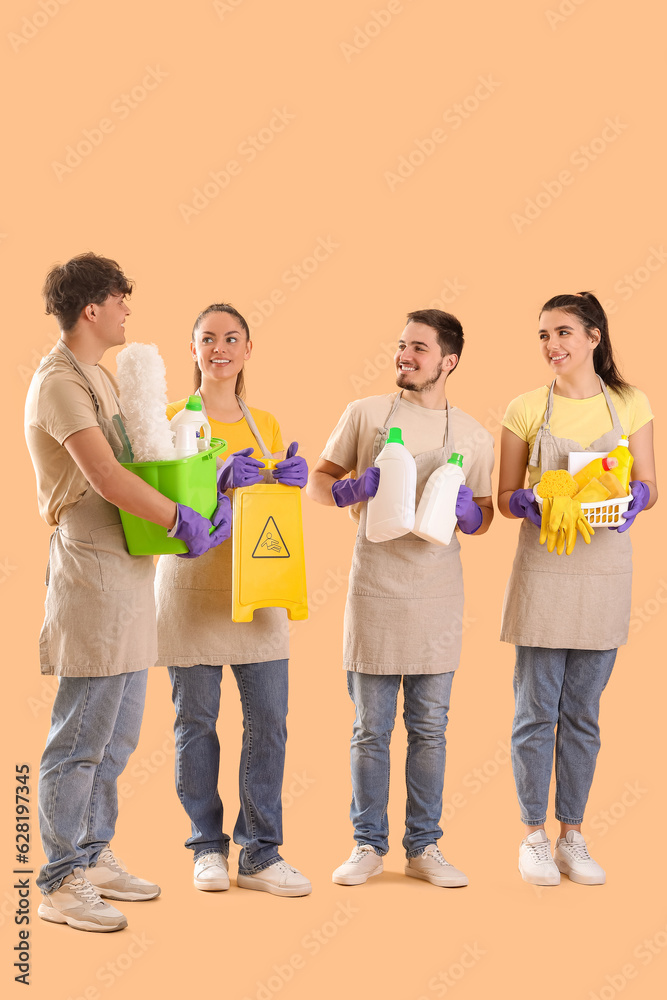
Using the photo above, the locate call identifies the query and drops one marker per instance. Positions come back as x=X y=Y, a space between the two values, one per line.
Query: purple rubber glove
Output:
x=523 y=504
x=348 y=491
x=469 y=515
x=641 y=495
x=239 y=470
x=195 y=530
x=293 y=470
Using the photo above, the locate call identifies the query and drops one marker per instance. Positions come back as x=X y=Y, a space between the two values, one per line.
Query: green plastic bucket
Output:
x=191 y=481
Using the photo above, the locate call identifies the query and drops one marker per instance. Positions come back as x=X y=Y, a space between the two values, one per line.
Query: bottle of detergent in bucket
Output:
x=391 y=512
x=625 y=462
x=187 y=424
x=436 y=514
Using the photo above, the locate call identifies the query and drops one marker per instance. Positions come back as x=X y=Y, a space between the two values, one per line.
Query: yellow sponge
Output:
x=593 y=492
x=613 y=484
x=556 y=483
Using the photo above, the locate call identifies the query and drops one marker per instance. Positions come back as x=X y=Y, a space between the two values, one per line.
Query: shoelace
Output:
x=213 y=858
x=85 y=890
x=437 y=856
x=580 y=851
x=285 y=868
x=540 y=853
x=358 y=854
x=108 y=858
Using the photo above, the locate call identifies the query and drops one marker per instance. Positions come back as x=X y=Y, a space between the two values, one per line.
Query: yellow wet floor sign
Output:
x=270 y=544
x=269 y=569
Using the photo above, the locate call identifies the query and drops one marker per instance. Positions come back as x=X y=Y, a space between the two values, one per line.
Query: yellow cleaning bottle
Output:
x=624 y=463
x=595 y=469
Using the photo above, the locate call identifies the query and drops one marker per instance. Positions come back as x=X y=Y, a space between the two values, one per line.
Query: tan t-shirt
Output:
x=58 y=405
x=351 y=442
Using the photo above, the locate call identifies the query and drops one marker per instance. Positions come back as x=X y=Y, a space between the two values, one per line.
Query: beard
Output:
x=402 y=380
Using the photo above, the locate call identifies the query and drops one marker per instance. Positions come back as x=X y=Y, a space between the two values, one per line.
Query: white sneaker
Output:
x=572 y=859
x=111 y=879
x=361 y=864
x=279 y=878
x=535 y=862
x=432 y=867
x=77 y=903
x=211 y=872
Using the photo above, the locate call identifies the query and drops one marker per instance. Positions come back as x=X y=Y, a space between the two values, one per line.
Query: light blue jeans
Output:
x=95 y=727
x=426 y=704
x=263 y=688
x=557 y=689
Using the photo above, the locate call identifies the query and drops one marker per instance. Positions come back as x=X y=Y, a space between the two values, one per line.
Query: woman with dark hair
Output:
x=197 y=637
x=567 y=616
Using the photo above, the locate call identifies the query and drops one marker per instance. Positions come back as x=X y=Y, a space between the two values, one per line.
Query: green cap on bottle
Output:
x=395 y=436
x=455 y=459
x=193 y=403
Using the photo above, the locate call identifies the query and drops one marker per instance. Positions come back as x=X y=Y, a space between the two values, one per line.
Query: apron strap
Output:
x=383 y=432
x=617 y=425
x=64 y=349
x=544 y=427
x=254 y=430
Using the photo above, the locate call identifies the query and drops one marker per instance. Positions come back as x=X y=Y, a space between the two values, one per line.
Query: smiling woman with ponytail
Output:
x=197 y=638
x=567 y=615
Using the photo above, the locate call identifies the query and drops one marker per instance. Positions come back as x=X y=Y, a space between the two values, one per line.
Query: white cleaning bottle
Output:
x=186 y=425
x=391 y=512
x=436 y=515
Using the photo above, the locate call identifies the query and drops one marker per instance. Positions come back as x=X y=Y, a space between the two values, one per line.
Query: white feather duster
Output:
x=143 y=395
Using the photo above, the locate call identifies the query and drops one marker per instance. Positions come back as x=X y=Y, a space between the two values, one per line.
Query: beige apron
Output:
x=580 y=601
x=194 y=607
x=404 y=609
x=100 y=609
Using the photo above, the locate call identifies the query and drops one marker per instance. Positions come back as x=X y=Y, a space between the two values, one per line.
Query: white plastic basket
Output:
x=604 y=513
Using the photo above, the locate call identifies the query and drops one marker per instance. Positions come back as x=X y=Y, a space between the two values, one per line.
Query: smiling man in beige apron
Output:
x=99 y=632
x=404 y=612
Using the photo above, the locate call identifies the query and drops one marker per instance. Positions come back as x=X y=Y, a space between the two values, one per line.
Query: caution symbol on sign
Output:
x=271 y=544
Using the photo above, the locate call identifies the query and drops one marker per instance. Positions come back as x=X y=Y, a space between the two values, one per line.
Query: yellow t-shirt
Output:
x=581 y=420
x=238 y=435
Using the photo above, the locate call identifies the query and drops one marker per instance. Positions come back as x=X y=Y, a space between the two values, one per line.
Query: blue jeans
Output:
x=95 y=727
x=426 y=703
x=557 y=688
x=196 y=694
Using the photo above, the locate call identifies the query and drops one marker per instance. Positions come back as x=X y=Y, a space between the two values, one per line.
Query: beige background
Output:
x=353 y=101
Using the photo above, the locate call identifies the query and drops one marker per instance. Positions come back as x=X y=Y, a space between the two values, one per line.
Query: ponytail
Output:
x=592 y=316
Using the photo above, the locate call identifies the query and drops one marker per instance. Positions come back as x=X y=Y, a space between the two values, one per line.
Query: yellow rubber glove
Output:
x=546 y=514
x=574 y=514
x=558 y=519
x=584 y=527
x=560 y=541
